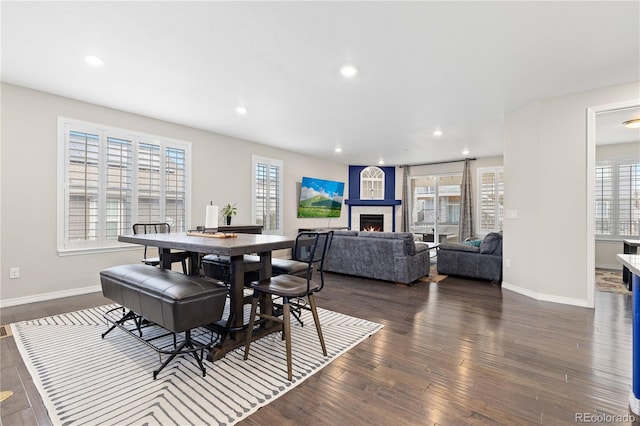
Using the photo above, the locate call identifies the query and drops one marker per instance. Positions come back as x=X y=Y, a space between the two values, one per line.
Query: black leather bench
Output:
x=174 y=301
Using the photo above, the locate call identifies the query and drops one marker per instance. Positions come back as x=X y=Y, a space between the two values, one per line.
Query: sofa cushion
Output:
x=406 y=237
x=458 y=247
x=345 y=233
x=492 y=244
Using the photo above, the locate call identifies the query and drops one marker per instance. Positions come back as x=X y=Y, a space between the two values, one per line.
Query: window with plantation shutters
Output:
x=490 y=199
x=267 y=194
x=110 y=179
x=617 y=198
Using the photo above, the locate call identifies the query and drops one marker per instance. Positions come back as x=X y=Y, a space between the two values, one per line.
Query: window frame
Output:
x=65 y=246
x=270 y=162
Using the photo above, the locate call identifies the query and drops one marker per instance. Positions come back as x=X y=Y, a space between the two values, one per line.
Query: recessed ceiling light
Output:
x=348 y=71
x=381 y=161
x=338 y=149
x=465 y=151
x=241 y=110
x=93 y=60
x=632 y=124
x=437 y=133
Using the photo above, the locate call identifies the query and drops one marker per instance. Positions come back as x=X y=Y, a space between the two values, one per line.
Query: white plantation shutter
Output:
x=491 y=199
x=604 y=199
x=149 y=195
x=175 y=194
x=110 y=179
x=83 y=183
x=617 y=198
x=119 y=187
x=629 y=200
x=267 y=194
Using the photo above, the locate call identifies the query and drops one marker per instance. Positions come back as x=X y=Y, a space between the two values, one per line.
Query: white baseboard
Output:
x=612 y=267
x=545 y=297
x=49 y=296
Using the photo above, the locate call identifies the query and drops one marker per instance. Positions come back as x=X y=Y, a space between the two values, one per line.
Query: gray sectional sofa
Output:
x=462 y=259
x=389 y=256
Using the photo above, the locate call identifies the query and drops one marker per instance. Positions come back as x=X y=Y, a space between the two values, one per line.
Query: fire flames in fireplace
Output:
x=372 y=222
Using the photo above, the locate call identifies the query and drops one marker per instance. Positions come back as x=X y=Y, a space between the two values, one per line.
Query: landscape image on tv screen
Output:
x=320 y=198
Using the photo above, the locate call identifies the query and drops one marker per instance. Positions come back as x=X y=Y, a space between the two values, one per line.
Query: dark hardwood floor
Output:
x=456 y=352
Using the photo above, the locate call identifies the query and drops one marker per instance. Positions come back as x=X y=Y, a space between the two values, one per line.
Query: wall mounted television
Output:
x=320 y=198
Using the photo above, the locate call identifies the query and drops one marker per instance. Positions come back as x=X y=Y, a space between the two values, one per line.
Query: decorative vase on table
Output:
x=228 y=218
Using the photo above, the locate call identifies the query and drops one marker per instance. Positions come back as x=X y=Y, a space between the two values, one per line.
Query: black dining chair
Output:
x=310 y=248
x=160 y=228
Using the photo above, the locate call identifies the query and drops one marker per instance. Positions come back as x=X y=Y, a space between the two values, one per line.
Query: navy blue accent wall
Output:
x=389 y=182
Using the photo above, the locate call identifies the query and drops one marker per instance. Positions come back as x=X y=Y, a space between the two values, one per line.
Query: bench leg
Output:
x=128 y=316
x=186 y=344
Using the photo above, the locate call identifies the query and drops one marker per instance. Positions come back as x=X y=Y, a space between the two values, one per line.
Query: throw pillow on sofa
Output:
x=473 y=243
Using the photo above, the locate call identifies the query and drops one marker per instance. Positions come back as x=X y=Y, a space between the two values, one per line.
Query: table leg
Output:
x=165 y=258
x=266 y=303
x=234 y=334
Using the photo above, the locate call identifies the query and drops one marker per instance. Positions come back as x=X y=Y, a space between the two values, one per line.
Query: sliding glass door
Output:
x=435 y=207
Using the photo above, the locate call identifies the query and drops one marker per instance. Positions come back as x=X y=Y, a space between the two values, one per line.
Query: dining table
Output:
x=235 y=246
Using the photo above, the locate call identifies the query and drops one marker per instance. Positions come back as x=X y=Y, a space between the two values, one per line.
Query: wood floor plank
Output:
x=459 y=352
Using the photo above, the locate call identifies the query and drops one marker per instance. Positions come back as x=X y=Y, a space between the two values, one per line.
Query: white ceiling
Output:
x=456 y=66
x=609 y=128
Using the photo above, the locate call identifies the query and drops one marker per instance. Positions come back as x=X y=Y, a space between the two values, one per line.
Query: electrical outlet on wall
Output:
x=14 y=273
x=507 y=263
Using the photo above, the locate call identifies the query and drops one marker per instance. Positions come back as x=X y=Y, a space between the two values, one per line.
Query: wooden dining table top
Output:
x=238 y=245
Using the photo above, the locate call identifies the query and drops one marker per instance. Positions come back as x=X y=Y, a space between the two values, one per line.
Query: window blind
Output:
x=112 y=178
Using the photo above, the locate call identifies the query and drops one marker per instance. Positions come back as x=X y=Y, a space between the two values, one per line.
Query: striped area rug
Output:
x=86 y=380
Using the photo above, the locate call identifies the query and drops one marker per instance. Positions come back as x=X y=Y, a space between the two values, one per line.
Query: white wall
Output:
x=546 y=183
x=221 y=173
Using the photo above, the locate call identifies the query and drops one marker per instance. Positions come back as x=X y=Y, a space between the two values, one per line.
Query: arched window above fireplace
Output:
x=372 y=183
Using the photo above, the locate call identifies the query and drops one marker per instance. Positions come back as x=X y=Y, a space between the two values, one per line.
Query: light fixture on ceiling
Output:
x=381 y=161
x=93 y=60
x=437 y=132
x=348 y=71
x=632 y=124
x=241 y=110
x=338 y=149
x=465 y=151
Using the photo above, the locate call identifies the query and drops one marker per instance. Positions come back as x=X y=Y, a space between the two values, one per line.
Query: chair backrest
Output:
x=151 y=228
x=312 y=248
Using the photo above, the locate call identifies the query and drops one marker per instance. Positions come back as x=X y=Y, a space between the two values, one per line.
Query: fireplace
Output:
x=372 y=222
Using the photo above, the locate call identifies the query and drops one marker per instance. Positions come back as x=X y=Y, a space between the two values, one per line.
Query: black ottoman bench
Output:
x=174 y=301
